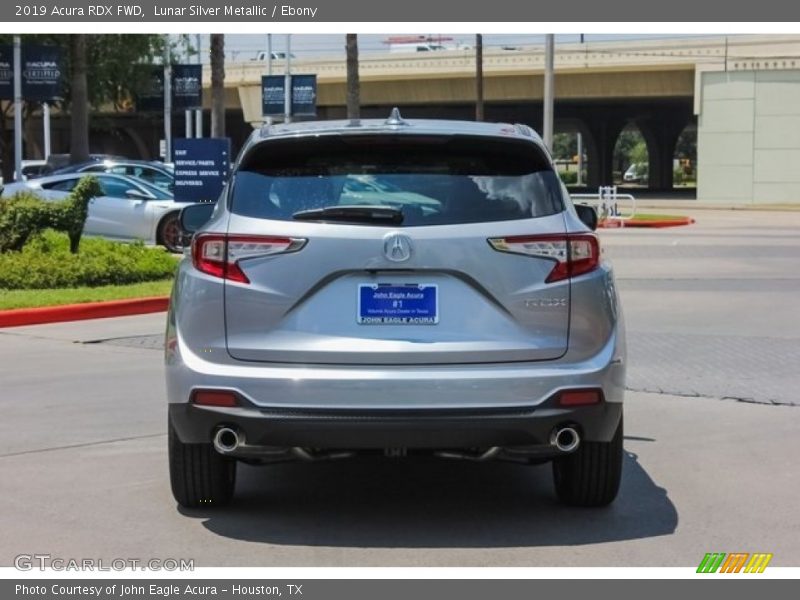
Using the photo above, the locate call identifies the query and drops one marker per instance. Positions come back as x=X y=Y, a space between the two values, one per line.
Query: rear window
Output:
x=433 y=180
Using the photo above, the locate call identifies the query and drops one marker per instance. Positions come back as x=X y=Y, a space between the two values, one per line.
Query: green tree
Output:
x=565 y=146
x=686 y=146
x=115 y=74
x=79 y=123
x=638 y=154
x=628 y=139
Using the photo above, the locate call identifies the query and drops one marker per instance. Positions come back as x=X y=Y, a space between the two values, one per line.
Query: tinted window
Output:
x=153 y=176
x=65 y=185
x=433 y=180
x=115 y=188
x=157 y=192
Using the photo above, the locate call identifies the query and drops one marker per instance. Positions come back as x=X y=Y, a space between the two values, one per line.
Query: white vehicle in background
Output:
x=31 y=169
x=129 y=209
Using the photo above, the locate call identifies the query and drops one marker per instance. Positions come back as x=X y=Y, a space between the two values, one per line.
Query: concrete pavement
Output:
x=710 y=311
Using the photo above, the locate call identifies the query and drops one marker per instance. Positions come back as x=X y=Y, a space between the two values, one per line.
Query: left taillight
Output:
x=219 y=255
x=573 y=254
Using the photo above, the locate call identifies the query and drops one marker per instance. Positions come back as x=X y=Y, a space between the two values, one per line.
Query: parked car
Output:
x=31 y=169
x=636 y=173
x=130 y=208
x=153 y=172
x=262 y=55
x=56 y=162
x=465 y=312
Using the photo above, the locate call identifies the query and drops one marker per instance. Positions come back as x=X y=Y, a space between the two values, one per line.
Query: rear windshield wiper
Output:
x=352 y=214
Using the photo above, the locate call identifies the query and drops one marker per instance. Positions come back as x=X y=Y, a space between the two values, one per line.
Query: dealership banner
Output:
x=304 y=95
x=42 y=72
x=187 y=88
x=150 y=97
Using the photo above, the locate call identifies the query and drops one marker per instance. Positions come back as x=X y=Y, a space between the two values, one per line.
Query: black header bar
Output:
x=364 y=11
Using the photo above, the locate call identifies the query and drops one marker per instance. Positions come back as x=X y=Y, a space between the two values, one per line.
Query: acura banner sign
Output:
x=41 y=72
x=304 y=95
x=187 y=88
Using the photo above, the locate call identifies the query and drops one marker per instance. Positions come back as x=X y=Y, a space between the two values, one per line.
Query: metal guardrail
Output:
x=607 y=203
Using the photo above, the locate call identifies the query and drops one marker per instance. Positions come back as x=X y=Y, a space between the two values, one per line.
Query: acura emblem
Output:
x=397 y=247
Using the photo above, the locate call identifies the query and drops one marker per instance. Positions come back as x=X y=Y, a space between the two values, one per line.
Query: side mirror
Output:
x=194 y=216
x=587 y=214
x=137 y=195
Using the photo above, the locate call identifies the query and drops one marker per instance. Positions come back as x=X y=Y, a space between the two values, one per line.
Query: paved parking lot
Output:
x=711 y=438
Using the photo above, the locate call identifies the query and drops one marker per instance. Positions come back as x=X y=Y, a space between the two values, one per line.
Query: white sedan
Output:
x=129 y=209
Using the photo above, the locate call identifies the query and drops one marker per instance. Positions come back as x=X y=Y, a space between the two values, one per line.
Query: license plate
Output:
x=389 y=304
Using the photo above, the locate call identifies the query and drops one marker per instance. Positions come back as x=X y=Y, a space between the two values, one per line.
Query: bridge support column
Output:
x=600 y=141
x=661 y=135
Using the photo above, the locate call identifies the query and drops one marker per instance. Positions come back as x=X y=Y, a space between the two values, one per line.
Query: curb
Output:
x=80 y=312
x=644 y=224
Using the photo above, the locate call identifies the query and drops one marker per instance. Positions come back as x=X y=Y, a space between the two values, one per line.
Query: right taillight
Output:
x=218 y=255
x=573 y=253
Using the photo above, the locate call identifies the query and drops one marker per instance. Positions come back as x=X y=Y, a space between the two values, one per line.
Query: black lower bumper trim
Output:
x=393 y=429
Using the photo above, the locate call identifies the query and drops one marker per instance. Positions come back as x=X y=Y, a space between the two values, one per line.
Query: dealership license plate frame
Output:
x=423 y=311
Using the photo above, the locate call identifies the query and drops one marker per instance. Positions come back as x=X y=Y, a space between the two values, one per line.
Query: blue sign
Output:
x=201 y=168
x=41 y=72
x=304 y=95
x=272 y=94
x=187 y=88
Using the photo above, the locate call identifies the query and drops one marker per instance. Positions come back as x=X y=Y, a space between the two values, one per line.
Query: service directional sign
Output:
x=201 y=168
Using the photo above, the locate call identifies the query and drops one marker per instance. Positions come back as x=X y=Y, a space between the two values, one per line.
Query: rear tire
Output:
x=200 y=476
x=591 y=475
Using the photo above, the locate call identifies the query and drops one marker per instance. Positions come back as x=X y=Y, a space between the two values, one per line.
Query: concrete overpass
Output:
x=742 y=93
x=600 y=87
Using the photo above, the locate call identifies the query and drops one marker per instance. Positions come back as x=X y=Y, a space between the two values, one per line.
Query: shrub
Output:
x=47 y=262
x=19 y=215
x=25 y=214
x=569 y=177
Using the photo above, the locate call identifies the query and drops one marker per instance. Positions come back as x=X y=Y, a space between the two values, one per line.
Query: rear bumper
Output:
x=396 y=429
x=452 y=406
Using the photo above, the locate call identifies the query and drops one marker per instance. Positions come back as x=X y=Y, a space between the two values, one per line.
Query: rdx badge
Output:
x=545 y=302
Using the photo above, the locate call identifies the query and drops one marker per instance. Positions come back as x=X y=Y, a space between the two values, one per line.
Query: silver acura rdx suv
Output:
x=394 y=287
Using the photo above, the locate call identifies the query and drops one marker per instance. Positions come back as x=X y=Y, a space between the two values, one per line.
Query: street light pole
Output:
x=268 y=119
x=198 y=114
x=549 y=80
x=46 y=124
x=287 y=82
x=167 y=103
x=17 y=108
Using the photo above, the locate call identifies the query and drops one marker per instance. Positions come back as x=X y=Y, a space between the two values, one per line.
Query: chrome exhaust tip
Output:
x=566 y=439
x=227 y=440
